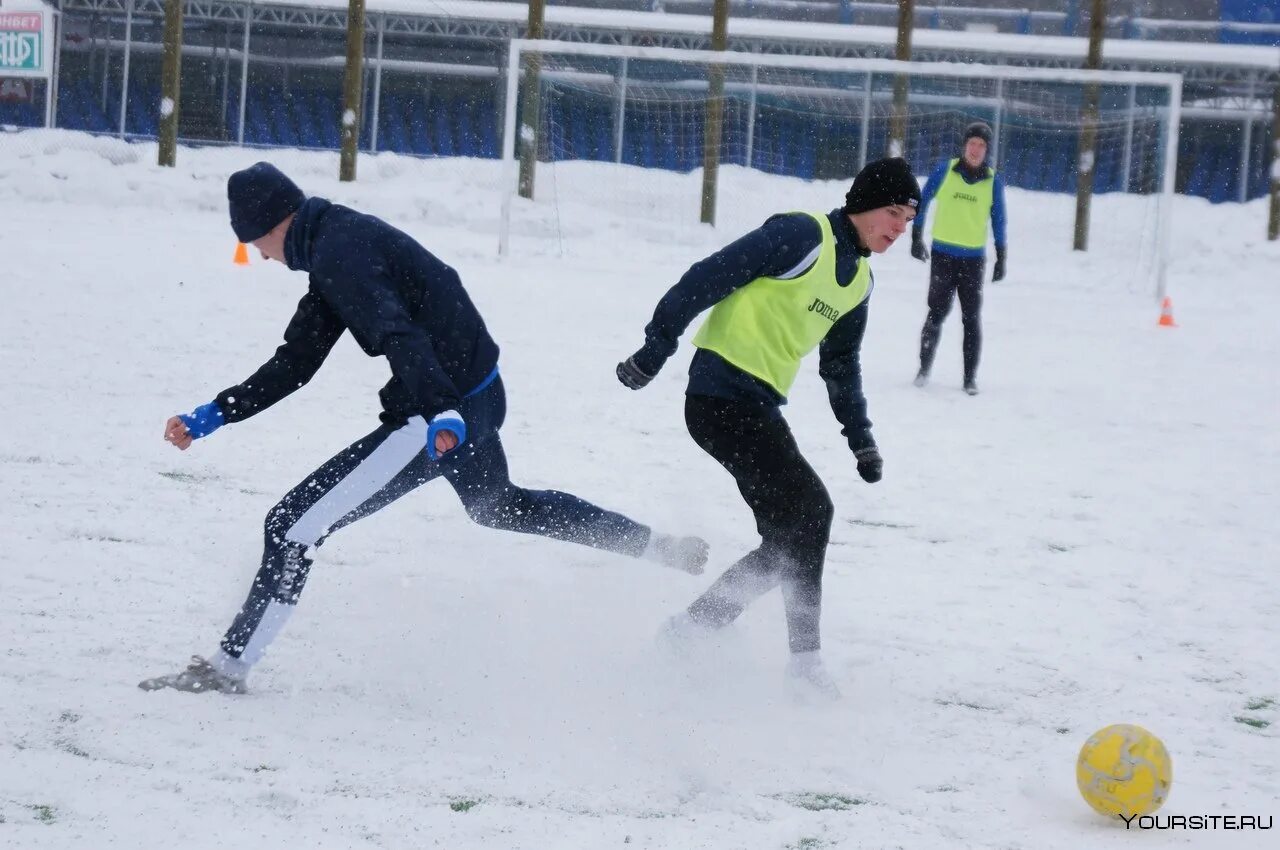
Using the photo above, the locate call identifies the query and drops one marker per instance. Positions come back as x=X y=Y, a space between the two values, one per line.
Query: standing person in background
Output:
x=800 y=281
x=969 y=194
x=441 y=410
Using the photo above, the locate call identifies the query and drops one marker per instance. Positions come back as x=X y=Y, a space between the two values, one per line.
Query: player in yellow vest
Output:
x=969 y=194
x=799 y=282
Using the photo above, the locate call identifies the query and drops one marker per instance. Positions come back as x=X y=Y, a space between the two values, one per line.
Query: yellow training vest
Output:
x=766 y=327
x=963 y=209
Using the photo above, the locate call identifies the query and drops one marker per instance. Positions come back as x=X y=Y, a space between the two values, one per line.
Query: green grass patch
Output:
x=462 y=805
x=808 y=843
x=1259 y=704
x=44 y=813
x=868 y=523
x=816 y=801
x=70 y=748
x=1255 y=722
x=963 y=704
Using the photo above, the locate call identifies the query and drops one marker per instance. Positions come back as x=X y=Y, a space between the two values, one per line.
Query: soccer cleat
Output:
x=971 y=387
x=199 y=677
x=922 y=378
x=687 y=554
x=809 y=679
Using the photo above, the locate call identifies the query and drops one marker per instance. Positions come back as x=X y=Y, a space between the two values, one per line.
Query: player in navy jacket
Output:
x=441 y=410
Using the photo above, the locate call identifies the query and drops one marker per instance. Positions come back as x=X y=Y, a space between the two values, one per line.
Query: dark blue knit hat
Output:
x=977 y=130
x=883 y=183
x=260 y=197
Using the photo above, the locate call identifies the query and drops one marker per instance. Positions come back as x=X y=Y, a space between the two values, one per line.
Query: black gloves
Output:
x=918 y=250
x=997 y=274
x=631 y=375
x=870 y=464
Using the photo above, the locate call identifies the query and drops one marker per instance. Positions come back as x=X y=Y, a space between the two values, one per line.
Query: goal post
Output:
x=824 y=117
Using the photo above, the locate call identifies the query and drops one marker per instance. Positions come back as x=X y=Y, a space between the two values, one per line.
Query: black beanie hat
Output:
x=883 y=183
x=260 y=197
x=977 y=130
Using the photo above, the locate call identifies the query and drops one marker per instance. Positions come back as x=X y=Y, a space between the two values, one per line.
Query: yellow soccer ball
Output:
x=1124 y=770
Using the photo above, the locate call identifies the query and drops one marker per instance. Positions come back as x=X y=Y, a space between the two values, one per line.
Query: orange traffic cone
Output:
x=1166 y=313
x=242 y=254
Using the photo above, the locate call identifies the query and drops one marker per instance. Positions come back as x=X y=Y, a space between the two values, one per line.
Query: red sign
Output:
x=21 y=21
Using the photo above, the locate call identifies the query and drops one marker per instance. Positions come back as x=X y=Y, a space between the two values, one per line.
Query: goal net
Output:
x=619 y=140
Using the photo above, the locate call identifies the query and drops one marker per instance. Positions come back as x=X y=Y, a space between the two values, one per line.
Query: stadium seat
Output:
x=1197 y=180
x=143 y=111
x=602 y=129
x=487 y=121
x=305 y=119
x=1064 y=159
x=807 y=146
x=393 y=132
x=1036 y=165
x=1107 y=178
x=649 y=144
x=326 y=109
x=281 y=117
x=22 y=114
x=568 y=131
x=442 y=128
x=424 y=110
x=71 y=108
x=1012 y=157
x=762 y=146
x=257 y=130
x=1259 y=180
x=468 y=138
x=1225 y=171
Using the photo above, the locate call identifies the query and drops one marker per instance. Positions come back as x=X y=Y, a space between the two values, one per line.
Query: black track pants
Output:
x=948 y=277
x=792 y=510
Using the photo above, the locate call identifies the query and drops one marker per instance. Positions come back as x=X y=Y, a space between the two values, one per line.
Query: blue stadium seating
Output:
x=456 y=123
x=22 y=114
x=442 y=138
x=1222 y=185
x=468 y=138
x=1108 y=177
x=393 y=130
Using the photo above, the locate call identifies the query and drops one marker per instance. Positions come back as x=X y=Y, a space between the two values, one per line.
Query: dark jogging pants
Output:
x=792 y=510
x=392 y=461
x=950 y=277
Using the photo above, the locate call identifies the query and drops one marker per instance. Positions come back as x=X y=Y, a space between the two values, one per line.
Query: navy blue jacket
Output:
x=784 y=246
x=398 y=300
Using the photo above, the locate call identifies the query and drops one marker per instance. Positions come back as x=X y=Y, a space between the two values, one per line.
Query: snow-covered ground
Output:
x=1090 y=541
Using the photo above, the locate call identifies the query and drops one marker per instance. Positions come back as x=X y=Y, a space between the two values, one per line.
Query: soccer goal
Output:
x=617 y=135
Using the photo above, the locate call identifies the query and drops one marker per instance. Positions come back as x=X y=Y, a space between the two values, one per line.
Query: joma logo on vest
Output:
x=824 y=309
x=965 y=196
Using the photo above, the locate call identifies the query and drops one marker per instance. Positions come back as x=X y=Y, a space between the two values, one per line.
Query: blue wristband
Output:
x=450 y=420
x=204 y=420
